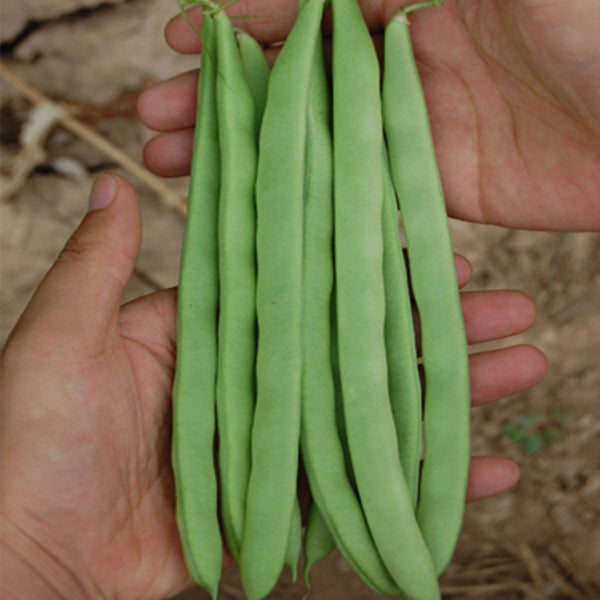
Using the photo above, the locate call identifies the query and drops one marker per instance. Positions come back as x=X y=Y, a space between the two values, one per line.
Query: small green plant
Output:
x=536 y=431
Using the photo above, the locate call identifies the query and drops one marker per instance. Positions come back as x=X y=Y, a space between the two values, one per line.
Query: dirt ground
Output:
x=540 y=540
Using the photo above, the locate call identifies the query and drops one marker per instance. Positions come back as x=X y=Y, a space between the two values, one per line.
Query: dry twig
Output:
x=34 y=133
x=481 y=571
x=233 y=591
x=532 y=564
x=79 y=129
x=581 y=590
x=493 y=588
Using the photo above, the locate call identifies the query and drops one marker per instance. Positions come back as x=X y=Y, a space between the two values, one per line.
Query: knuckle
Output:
x=75 y=250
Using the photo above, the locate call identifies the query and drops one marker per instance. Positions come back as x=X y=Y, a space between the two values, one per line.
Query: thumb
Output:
x=81 y=294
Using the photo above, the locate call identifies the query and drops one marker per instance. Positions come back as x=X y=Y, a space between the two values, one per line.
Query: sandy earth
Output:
x=541 y=540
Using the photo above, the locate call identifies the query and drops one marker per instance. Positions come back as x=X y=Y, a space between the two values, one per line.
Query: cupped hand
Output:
x=87 y=484
x=512 y=90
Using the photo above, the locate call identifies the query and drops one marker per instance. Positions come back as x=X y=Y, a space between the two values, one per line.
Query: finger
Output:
x=170 y=154
x=464 y=270
x=267 y=21
x=270 y=21
x=497 y=374
x=170 y=105
x=491 y=475
x=80 y=295
x=500 y=373
x=492 y=315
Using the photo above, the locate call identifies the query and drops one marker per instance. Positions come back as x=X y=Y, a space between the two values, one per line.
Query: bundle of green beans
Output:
x=295 y=320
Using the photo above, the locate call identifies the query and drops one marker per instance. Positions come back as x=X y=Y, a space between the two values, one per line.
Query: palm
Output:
x=110 y=502
x=515 y=106
x=513 y=94
x=558 y=42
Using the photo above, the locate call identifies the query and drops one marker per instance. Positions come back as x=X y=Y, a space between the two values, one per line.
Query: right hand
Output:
x=512 y=90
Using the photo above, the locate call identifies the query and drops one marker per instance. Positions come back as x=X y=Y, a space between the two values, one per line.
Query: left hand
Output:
x=88 y=497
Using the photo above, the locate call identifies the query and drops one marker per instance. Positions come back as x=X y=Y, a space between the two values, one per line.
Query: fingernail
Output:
x=103 y=192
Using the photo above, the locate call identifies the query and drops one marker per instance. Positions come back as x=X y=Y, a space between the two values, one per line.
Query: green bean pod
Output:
x=257 y=72
x=337 y=385
x=322 y=447
x=237 y=282
x=358 y=200
x=280 y=207
x=403 y=370
x=444 y=348
x=294 y=544
x=195 y=374
x=318 y=541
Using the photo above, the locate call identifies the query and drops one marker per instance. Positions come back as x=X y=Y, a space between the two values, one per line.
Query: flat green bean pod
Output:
x=257 y=72
x=237 y=281
x=445 y=357
x=322 y=448
x=294 y=545
x=318 y=541
x=358 y=200
x=403 y=370
x=280 y=206
x=195 y=374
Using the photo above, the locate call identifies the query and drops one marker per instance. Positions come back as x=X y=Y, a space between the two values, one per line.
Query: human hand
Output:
x=513 y=95
x=86 y=387
x=87 y=486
